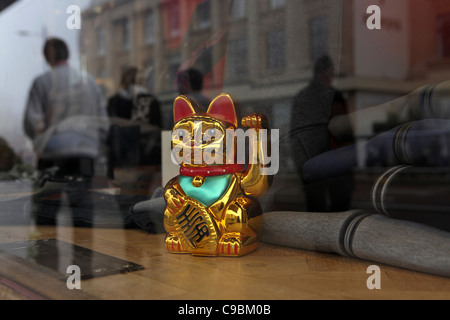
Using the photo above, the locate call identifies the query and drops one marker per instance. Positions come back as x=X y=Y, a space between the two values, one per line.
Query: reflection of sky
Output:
x=23 y=27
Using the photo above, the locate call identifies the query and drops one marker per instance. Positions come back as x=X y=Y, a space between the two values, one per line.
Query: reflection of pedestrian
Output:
x=66 y=118
x=190 y=84
x=134 y=143
x=312 y=110
x=134 y=102
x=120 y=105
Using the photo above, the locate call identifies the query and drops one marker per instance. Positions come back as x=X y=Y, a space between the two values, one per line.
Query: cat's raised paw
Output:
x=255 y=121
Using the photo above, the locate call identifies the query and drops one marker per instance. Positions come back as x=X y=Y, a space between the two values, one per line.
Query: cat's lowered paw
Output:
x=235 y=245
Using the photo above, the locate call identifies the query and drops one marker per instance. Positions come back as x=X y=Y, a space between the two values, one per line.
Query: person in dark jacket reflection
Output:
x=312 y=110
x=190 y=84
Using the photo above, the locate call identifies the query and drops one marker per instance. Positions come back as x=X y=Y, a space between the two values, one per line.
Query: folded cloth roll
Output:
x=419 y=143
x=149 y=215
x=415 y=194
x=426 y=102
x=371 y=237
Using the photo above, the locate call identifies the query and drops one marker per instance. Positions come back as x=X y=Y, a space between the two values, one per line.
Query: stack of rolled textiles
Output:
x=419 y=194
x=424 y=143
x=414 y=182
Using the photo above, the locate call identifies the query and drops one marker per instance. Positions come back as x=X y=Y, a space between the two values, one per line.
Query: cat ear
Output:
x=222 y=108
x=183 y=108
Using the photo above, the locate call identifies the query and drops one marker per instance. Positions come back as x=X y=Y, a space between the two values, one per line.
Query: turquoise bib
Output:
x=211 y=191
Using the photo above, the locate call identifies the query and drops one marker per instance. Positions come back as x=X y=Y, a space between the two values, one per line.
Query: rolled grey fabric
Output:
x=430 y=101
x=324 y=232
x=414 y=194
x=419 y=143
x=149 y=215
x=362 y=235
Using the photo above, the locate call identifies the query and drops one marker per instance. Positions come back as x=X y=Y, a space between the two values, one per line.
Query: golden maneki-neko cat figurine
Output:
x=211 y=206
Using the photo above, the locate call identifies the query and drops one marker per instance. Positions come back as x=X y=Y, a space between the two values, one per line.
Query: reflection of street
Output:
x=112 y=198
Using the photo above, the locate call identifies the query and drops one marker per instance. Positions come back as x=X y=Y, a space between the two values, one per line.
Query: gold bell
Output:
x=198 y=181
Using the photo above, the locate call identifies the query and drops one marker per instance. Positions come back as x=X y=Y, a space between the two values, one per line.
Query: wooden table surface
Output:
x=270 y=273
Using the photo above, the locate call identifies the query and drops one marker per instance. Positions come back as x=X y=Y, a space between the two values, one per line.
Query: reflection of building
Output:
x=270 y=46
x=157 y=36
x=407 y=52
x=262 y=52
x=267 y=53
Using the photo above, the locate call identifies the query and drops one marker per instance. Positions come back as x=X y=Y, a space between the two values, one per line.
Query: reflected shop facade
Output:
x=361 y=114
x=264 y=54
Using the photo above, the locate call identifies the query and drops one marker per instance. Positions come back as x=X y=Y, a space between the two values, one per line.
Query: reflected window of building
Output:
x=237 y=57
x=126 y=32
x=238 y=9
x=203 y=13
x=149 y=76
x=174 y=66
x=276 y=4
x=276 y=49
x=149 y=33
x=443 y=36
x=101 y=73
x=174 y=20
x=204 y=63
x=100 y=41
x=318 y=37
x=122 y=28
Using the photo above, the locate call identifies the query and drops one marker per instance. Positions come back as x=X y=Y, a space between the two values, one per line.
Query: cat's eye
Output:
x=211 y=134
x=179 y=134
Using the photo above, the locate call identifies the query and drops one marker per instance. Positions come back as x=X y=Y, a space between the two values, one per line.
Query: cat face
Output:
x=199 y=139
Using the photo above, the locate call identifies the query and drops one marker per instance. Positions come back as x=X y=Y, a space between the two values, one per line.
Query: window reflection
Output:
x=318 y=37
x=238 y=9
x=237 y=57
x=100 y=41
x=275 y=4
x=149 y=27
x=261 y=51
x=276 y=50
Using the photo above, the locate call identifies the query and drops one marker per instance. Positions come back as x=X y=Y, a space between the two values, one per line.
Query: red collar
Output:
x=212 y=171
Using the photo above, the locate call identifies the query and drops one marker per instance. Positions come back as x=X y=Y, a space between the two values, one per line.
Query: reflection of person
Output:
x=138 y=141
x=121 y=104
x=66 y=118
x=190 y=84
x=311 y=112
x=134 y=102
